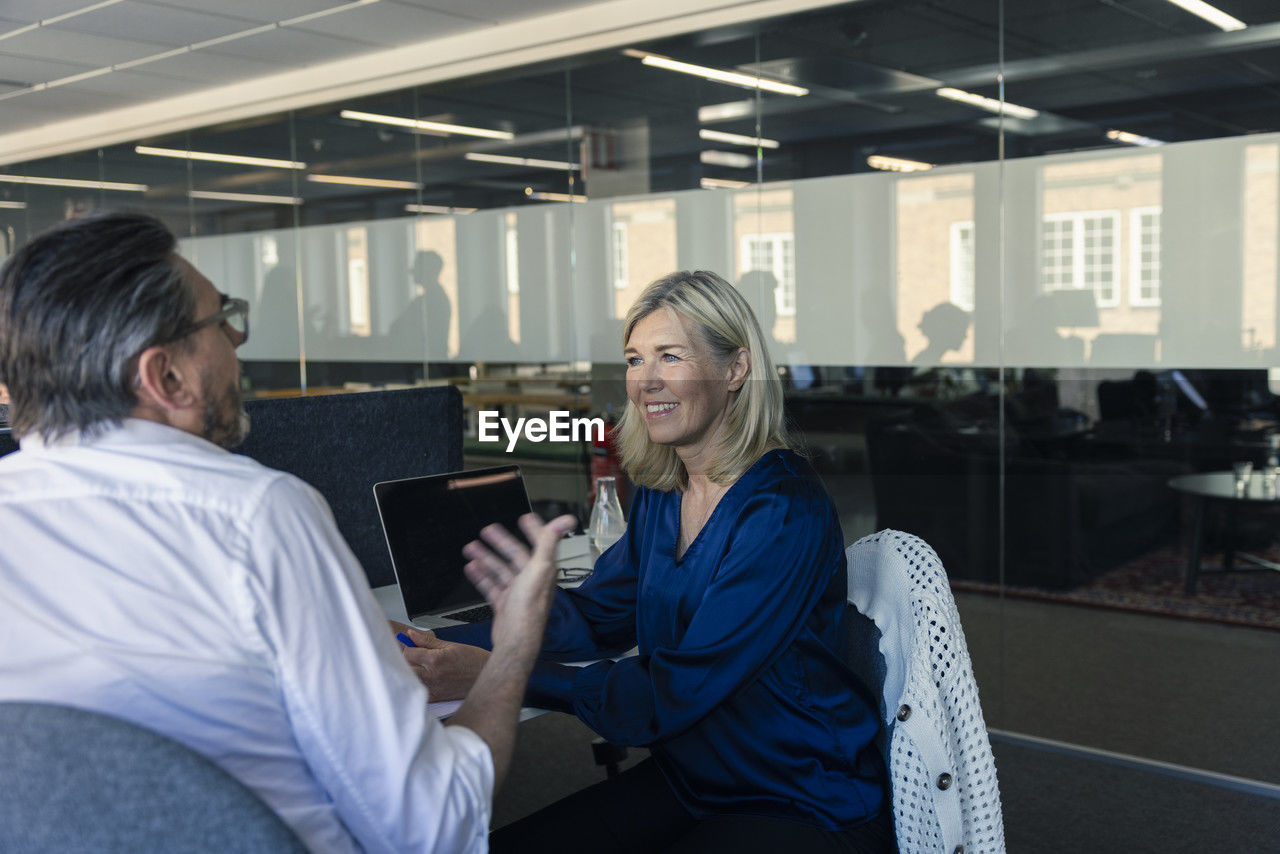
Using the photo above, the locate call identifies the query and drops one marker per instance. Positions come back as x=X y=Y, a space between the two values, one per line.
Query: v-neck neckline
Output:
x=680 y=558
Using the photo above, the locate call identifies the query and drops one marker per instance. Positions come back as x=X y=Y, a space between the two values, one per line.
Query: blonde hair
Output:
x=754 y=422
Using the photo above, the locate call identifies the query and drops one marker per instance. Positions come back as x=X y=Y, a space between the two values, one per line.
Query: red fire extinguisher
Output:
x=605 y=461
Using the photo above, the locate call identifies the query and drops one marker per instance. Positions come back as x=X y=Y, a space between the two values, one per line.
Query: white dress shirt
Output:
x=151 y=575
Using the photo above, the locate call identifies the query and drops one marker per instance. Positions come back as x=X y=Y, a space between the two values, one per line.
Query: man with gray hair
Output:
x=148 y=574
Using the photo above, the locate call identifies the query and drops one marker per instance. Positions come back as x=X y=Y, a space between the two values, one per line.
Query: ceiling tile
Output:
x=293 y=46
x=262 y=11
x=28 y=70
x=93 y=51
x=170 y=27
x=30 y=11
x=212 y=69
x=499 y=11
x=134 y=86
x=389 y=24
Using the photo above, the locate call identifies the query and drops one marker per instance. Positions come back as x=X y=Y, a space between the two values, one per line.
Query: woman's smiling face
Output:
x=676 y=382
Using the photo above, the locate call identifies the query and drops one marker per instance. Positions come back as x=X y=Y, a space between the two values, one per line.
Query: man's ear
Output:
x=163 y=382
x=739 y=368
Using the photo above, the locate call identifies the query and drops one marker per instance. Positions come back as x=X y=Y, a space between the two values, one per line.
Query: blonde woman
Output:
x=731 y=579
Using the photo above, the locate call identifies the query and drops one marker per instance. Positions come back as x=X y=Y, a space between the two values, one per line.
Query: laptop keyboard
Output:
x=472 y=615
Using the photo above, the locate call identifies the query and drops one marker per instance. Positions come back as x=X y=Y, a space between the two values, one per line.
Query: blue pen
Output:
x=404 y=639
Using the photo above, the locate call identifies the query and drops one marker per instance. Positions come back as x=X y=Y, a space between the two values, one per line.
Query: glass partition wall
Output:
x=1018 y=265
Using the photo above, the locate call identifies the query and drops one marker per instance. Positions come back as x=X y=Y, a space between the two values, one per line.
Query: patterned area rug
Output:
x=1153 y=584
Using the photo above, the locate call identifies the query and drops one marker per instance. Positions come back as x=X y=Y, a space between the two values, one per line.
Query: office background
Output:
x=982 y=237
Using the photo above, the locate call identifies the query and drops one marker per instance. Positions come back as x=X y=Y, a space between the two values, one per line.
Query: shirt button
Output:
x=904 y=712
x=944 y=781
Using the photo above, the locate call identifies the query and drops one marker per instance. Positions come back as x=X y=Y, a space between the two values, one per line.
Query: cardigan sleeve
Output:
x=779 y=560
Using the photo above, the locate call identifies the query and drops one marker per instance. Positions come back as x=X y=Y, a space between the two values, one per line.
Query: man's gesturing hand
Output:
x=518 y=583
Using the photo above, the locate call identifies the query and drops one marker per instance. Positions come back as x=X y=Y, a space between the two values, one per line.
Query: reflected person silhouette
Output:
x=946 y=326
x=423 y=326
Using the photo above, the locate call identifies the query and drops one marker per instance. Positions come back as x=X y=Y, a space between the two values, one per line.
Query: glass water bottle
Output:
x=607 y=524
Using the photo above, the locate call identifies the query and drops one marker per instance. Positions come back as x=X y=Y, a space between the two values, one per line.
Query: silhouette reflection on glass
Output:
x=763 y=285
x=423 y=326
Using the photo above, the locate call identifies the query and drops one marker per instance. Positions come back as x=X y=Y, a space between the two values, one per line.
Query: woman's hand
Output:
x=447 y=669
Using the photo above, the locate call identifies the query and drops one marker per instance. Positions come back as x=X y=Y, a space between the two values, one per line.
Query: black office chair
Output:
x=74 y=780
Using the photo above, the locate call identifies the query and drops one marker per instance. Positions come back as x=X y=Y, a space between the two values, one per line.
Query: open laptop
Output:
x=427 y=521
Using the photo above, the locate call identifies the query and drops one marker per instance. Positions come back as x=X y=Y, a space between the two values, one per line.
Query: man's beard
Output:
x=226 y=424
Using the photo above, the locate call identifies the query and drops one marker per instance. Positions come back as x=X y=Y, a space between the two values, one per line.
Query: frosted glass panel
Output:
x=1111 y=259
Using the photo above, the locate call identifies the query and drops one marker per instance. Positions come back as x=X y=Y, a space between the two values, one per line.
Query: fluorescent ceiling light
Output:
x=245 y=197
x=896 y=164
x=1213 y=15
x=1132 y=138
x=552 y=197
x=989 y=104
x=723 y=184
x=354 y=181
x=737 y=139
x=423 y=124
x=726 y=112
x=12 y=206
x=732 y=159
x=437 y=209
x=74 y=182
x=520 y=161
x=240 y=159
x=719 y=75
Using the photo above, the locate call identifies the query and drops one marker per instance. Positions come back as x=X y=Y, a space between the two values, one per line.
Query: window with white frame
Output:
x=1144 y=256
x=621 y=277
x=962 y=261
x=1079 y=250
x=776 y=254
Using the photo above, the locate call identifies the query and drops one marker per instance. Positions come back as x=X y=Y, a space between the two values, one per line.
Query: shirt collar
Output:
x=131 y=431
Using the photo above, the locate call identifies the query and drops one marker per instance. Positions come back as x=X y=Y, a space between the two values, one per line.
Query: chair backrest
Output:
x=942 y=773
x=74 y=780
x=342 y=444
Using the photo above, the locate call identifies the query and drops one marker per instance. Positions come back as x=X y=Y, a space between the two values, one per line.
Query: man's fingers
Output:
x=505 y=543
x=479 y=575
x=545 y=537
x=490 y=563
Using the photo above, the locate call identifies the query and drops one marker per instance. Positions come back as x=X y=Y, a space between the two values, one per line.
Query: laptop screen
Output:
x=427 y=521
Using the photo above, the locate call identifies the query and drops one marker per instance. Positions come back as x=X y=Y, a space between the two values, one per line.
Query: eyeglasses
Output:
x=234 y=313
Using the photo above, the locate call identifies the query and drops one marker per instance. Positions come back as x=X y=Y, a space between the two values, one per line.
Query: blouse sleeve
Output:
x=779 y=561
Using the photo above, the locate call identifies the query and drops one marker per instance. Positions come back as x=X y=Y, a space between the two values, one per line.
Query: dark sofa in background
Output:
x=1069 y=515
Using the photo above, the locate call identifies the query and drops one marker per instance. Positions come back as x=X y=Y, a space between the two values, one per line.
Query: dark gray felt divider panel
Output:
x=342 y=444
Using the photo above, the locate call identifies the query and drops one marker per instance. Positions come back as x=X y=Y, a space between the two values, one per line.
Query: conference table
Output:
x=572 y=553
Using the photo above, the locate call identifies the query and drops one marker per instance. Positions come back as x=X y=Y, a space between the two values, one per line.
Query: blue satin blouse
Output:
x=739 y=690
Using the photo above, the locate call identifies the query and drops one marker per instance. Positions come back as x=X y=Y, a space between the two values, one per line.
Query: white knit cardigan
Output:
x=942 y=773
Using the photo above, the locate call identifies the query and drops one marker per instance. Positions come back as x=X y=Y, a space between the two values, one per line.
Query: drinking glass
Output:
x=607 y=523
x=1242 y=472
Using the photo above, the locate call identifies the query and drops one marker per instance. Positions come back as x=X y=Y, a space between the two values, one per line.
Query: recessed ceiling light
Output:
x=74 y=182
x=719 y=75
x=732 y=159
x=12 y=206
x=1212 y=14
x=1132 y=138
x=355 y=181
x=737 y=139
x=424 y=124
x=989 y=104
x=240 y=159
x=552 y=197
x=723 y=184
x=437 y=209
x=897 y=164
x=245 y=197
x=508 y=160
